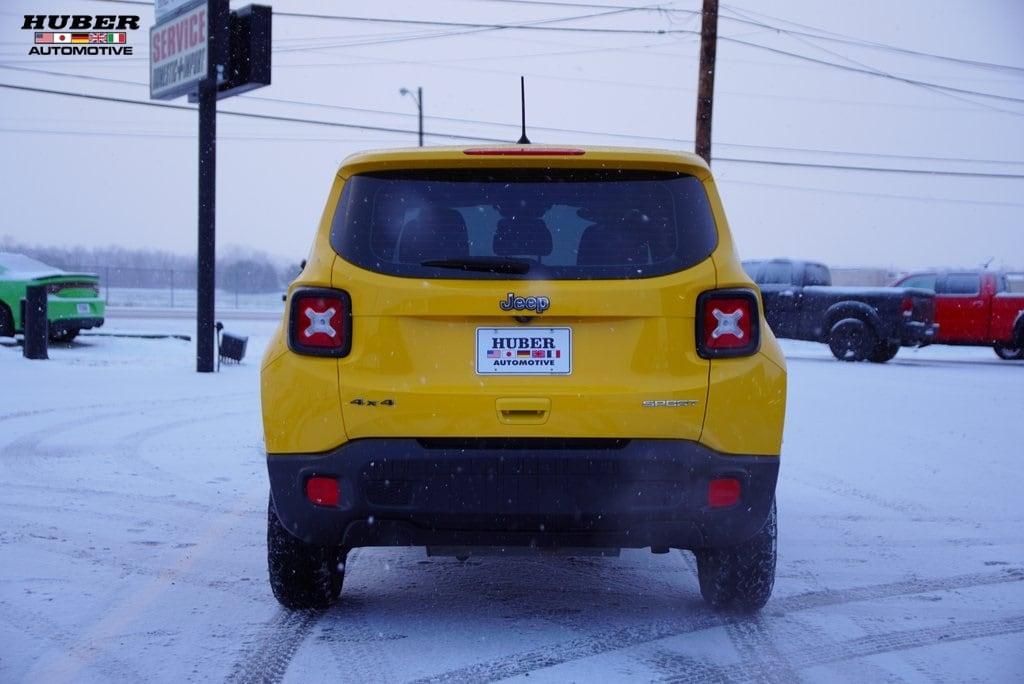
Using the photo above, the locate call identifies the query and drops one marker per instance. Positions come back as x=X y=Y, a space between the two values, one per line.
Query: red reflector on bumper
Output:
x=723 y=492
x=323 y=491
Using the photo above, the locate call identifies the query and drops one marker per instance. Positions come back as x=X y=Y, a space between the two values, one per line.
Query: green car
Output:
x=73 y=299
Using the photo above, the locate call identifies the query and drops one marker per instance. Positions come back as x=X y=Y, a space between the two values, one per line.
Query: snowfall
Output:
x=133 y=522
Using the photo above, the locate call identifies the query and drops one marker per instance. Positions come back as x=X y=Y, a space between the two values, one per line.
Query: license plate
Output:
x=524 y=351
x=83 y=308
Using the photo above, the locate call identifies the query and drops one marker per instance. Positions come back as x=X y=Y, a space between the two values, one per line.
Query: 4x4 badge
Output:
x=372 y=402
x=513 y=303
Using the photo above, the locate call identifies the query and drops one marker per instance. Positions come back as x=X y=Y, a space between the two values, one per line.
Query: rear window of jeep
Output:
x=548 y=224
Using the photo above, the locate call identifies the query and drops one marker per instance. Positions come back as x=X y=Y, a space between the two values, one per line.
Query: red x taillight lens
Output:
x=727 y=323
x=320 y=322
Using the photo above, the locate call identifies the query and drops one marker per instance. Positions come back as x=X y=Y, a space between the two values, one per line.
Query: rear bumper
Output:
x=484 y=492
x=916 y=333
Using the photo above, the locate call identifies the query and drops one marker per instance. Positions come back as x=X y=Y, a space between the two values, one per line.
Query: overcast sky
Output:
x=76 y=171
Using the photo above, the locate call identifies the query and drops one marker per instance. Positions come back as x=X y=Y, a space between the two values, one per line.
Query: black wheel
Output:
x=64 y=334
x=1009 y=353
x=851 y=339
x=6 y=322
x=302 y=575
x=884 y=351
x=740 y=578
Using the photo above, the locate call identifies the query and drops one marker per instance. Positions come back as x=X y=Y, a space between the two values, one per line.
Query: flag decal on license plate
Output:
x=524 y=351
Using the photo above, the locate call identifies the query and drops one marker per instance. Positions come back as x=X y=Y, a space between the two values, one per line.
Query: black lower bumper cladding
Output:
x=76 y=323
x=523 y=492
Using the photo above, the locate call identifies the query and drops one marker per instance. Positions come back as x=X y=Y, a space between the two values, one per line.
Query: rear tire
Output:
x=883 y=352
x=740 y=578
x=6 y=322
x=851 y=339
x=302 y=576
x=1008 y=353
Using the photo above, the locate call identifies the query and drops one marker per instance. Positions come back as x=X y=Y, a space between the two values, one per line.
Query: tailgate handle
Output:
x=523 y=411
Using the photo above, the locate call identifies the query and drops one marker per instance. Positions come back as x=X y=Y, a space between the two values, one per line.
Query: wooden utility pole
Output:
x=706 y=80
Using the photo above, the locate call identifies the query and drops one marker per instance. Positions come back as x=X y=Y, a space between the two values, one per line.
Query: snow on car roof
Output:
x=20 y=267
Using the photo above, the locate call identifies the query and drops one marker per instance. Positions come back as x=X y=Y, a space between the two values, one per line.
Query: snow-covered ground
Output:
x=133 y=509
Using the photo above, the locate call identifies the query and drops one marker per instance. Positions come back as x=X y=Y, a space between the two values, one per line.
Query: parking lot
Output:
x=132 y=530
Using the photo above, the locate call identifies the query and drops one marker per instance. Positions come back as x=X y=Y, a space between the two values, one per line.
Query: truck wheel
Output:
x=1009 y=353
x=740 y=577
x=851 y=340
x=302 y=575
x=884 y=351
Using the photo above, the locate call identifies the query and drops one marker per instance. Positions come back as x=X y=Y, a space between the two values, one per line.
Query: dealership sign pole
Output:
x=193 y=45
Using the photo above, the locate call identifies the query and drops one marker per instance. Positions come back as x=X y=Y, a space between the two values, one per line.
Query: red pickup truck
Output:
x=980 y=308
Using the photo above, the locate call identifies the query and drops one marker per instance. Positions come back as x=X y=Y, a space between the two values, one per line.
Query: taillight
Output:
x=320 y=322
x=524 y=151
x=727 y=324
x=907 y=307
x=57 y=288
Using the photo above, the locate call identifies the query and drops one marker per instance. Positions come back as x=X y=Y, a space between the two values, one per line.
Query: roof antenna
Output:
x=523 y=140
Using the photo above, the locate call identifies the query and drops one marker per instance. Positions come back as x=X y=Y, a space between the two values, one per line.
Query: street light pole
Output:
x=418 y=97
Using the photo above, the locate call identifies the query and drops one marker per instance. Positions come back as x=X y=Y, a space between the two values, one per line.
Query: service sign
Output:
x=178 y=54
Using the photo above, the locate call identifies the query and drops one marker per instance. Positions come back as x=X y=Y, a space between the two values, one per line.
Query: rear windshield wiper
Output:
x=482 y=264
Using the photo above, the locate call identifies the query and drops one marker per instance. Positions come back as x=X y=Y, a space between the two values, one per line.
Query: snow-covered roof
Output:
x=20 y=267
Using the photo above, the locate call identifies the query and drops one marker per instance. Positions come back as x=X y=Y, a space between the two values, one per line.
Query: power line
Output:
x=542 y=26
x=662 y=139
x=249 y=115
x=822 y=34
x=874 y=72
x=578 y=29
x=858 y=193
x=813 y=32
x=884 y=169
x=288 y=119
x=278 y=139
x=176 y=136
x=941 y=90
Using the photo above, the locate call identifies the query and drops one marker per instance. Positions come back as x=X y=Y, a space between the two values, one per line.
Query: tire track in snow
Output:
x=266 y=659
x=29 y=443
x=90 y=492
x=823 y=651
x=598 y=643
x=834 y=485
x=754 y=641
x=46 y=630
x=149 y=402
x=130 y=445
x=105 y=632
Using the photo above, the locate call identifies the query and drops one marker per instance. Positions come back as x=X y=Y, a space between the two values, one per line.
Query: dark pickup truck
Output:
x=857 y=323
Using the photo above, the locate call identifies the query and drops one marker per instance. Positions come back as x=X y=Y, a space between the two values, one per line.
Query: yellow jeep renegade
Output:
x=492 y=349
